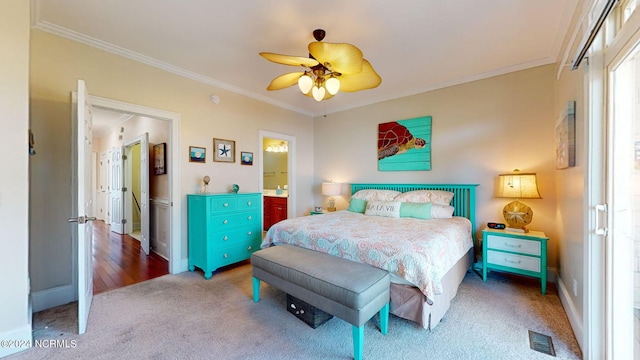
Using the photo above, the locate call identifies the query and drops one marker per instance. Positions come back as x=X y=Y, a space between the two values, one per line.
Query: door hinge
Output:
x=124 y=189
x=124 y=157
x=124 y=221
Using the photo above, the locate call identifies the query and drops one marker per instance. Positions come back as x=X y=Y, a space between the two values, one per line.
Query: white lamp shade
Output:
x=333 y=85
x=517 y=186
x=331 y=189
x=318 y=93
x=305 y=83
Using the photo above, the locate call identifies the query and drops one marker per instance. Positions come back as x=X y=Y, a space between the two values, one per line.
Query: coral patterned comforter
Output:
x=418 y=251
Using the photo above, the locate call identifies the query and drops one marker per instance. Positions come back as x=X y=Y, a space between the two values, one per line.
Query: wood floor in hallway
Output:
x=118 y=260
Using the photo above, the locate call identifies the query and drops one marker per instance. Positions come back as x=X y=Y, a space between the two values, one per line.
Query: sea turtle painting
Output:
x=394 y=138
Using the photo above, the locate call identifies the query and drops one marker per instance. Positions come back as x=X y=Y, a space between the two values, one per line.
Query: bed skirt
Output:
x=408 y=302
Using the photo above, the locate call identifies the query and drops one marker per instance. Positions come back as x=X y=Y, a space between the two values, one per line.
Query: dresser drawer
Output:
x=223 y=203
x=229 y=255
x=235 y=236
x=224 y=221
x=513 y=261
x=522 y=246
x=248 y=202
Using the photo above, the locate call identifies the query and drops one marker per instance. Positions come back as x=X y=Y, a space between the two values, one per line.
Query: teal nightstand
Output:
x=518 y=253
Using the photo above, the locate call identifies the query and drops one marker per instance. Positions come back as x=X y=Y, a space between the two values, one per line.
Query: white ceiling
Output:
x=415 y=45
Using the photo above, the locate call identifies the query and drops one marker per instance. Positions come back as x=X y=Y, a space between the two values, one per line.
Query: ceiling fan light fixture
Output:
x=305 y=83
x=333 y=85
x=318 y=92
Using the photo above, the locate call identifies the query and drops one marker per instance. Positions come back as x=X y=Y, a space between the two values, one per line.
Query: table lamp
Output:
x=331 y=189
x=517 y=186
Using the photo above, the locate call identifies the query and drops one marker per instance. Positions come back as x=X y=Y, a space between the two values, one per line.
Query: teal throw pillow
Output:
x=415 y=210
x=357 y=205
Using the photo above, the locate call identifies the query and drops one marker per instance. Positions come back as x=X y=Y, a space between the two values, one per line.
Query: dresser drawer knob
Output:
x=249 y=232
x=511 y=261
x=249 y=217
x=513 y=246
x=249 y=248
x=249 y=203
x=225 y=238
x=225 y=256
x=225 y=221
x=225 y=204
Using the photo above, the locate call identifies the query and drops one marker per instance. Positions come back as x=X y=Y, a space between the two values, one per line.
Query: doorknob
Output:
x=81 y=219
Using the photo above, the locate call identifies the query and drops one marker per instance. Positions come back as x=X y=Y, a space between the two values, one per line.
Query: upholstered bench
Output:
x=349 y=290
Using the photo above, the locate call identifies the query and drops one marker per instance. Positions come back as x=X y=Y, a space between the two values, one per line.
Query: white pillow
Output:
x=375 y=194
x=441 y=212
x=383 y=208
x=437 y=197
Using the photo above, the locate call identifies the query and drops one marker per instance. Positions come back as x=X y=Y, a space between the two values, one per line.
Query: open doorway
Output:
x=125 y=251
x=277 y=169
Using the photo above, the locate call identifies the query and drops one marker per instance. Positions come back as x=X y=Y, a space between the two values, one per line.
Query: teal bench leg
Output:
x=384 y=319
x=256 y=289
x=358 y=341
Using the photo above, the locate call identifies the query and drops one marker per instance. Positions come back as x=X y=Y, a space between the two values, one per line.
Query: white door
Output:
x=623 y=199
x=144 y=192
x=85 y=206
x=116 y=190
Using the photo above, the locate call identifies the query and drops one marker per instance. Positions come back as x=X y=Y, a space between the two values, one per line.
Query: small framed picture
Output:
x=224 y=150
x=246 y=158
x=159 y=159
x=197 y=154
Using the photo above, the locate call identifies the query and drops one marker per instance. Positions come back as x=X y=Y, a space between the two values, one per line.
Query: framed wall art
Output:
x=566 y=138
x=246 y=158
x=405 y=145
x=224 y=150
x=197 y=154
x=159 y=159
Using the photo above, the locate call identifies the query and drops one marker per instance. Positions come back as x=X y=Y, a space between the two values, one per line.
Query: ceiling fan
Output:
x=330 y=68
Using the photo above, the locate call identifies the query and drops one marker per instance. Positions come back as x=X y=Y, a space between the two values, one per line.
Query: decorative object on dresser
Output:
x=206 y=180
x=223 y=229
x=517 y=186
x=235 y=188
x=524 y=254
x=197 y=154
x=331 y=189
x=224 y=150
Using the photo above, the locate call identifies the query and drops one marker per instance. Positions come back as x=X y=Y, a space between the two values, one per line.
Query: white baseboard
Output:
x=20 y=339
x=49 y=298
x=575 y=318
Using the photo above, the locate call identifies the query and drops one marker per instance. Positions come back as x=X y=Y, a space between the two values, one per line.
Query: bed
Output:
x=427 y=255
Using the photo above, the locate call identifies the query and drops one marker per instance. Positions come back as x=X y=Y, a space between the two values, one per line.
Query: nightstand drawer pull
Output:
x=225 y=238
x=249 y=233
x=511 y=261
x=249 y=248
x=512 y=245
x=225 y=256
x=225 y=204
x=225 y=221
x=248 y=203
x=249 y=218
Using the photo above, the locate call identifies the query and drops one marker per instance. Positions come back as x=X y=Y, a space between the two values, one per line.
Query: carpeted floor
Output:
x=184 y=316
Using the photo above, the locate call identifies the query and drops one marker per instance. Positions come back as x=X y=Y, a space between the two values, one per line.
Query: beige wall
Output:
x=480 y=129
x=57 y=63
x=15 y=314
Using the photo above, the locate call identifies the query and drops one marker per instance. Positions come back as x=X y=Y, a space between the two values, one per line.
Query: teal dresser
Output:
x=223 y=229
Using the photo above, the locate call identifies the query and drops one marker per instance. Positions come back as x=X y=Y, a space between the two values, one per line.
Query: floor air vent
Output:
x=541 y=343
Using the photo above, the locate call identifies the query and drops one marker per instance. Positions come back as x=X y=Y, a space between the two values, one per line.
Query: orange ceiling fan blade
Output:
x=366 y=79
x=289 y=60
x=342 y=58
x=284 y=81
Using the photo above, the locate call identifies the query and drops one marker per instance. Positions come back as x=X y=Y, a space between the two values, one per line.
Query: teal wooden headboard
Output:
x=464 y=196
